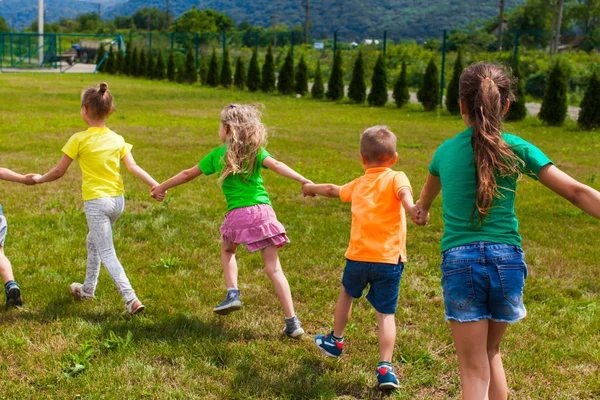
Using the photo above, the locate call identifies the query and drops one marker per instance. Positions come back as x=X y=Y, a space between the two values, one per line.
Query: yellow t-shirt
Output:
x=99 y=152
x=378 y=232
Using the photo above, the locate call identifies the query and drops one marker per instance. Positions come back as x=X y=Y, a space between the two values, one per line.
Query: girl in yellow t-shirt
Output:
x=99 y=152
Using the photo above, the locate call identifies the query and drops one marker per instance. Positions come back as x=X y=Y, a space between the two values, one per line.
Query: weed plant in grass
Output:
x=178 y=348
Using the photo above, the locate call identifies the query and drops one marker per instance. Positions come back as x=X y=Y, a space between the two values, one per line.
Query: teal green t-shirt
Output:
x=453 y=163
x=239 y=192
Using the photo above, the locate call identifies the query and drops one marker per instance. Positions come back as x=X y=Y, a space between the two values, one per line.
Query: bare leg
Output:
x=230 y=267
x=470 y=340
x=5 y=267
x=387 y=336
x=275 y=273
x=343 y=309
x=498 y=388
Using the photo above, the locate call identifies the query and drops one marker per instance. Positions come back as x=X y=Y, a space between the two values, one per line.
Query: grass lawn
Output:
x=57 y=347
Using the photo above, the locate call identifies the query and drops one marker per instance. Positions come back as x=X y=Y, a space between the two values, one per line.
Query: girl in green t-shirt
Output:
x=250 y=219
x=483 y=271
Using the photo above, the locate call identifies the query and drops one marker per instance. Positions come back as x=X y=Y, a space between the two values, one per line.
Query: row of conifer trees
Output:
x=294 y=80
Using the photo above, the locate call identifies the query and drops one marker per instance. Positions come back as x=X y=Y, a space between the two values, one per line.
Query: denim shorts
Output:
x=384 y=280
x=484 y=281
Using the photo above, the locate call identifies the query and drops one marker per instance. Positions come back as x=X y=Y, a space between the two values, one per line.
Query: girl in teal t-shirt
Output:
x=483 y=271
x=250 y=219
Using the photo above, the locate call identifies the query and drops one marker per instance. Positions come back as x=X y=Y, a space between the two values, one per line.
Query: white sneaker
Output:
x=134 y=307
x=77 y=290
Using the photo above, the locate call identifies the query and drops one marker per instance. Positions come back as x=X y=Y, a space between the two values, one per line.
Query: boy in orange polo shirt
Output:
x=377 y=249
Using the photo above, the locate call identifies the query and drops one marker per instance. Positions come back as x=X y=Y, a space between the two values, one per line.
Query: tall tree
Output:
x=99 y=56
x=517 y=110
x=285 y=83
x=151 y=66
x=318 y=91
x=335 y=86
x=378 y=95
x=212 y=78
x=554 y=104
x=133 y=66
x=429 y=93
x=253 y=78
x=111 y=62
x=452 y=91
x=190 y=67
x=301 y=81
x=159 y=68
x=225 y=78
x=142 y=70
x=501 y=25
x=268 y=72
x=171 y=67
x=357 y=92
x=203 y=70
x=401 y=94
x=240 y=74
x=127 y=61
x=120 y=61
x=589 y=116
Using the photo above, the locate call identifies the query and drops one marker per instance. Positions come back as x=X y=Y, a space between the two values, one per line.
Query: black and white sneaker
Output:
x=293 y=327
x=231 y=303
x=13 y=296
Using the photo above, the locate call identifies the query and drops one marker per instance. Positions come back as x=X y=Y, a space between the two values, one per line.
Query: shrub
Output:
x=301 y=80
x=240 y=74
x=429 y=93
x=318 y=91
x=517 y=110
x=190 y=67
x=335 y=86
x=151 y=66
x=126 y=70
x=212 y=77
x=253 y=78
x=159 y=69
x=142 y=70
x=589 y=116
x=452 y=104
x=401 y=94
x=378 y=95
x=171 y=67
x=203 y=70
x=180 y=75
x=111 y=63
x=554 y=104
x=285 y=83
x=133 y=67
x=99 y=56
x=357 y=92
x=225 y=78
x=120 y=61
x=268 y=72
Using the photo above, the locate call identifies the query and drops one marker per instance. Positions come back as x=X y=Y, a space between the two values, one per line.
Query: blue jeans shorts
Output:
x=484 y=281
x=384 y=280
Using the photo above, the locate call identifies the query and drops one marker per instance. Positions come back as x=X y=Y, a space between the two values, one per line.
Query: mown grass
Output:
x=56 y=347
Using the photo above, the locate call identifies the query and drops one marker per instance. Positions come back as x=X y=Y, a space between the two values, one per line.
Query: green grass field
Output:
x=57 y=347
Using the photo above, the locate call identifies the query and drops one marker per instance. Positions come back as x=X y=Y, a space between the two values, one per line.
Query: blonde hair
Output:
x=245 y=134
x=378 y=144
x=98 y=101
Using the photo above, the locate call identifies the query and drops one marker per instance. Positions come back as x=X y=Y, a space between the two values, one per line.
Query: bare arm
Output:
x=323 y=189
x=183 y=177
x=408 y=203
x=582 y=196
x=138 y=171
x=432 y=187
x=11 y=176
x=56 y=172
x=281 y=169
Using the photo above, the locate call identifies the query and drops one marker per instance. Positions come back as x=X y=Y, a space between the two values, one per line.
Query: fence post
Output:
x=292 y=40
x=197 y=42
x=516 y=54
x=149 y=42
x=384 y=42
x=224 y=41
x=10 y=43
x=334 y=42
x=443 y=70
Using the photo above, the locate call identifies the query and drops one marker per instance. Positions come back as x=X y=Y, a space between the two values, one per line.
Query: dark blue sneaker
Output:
x=329 y=346
x=231 y=303
x=13 y=296
x=386 y=377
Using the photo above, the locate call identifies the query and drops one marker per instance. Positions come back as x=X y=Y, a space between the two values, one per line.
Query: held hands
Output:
x=32 y=179
x=419 y=215
x=157 y=194
x=307 y=186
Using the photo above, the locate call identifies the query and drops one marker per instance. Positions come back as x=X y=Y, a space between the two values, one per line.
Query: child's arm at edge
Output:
x=56 y=172
x=138 y=171
x=282 y=169
x=323 y=189
x=183 y=177
x=12 y=176
x=406 y=197
x=432 y=187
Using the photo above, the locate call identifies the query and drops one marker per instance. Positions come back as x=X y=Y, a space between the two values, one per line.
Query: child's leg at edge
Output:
x=275 y=273
x=230 y=267
x=387 y=336
x=5 y=267
x=343 y=310
x=92 y=270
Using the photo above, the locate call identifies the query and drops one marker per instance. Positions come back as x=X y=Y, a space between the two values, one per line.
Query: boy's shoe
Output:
x=13 y=296
x=386 y=377
x=328 y=345
x=231 y=303
x=293 y=327
x=77 y=290
x=134 y=307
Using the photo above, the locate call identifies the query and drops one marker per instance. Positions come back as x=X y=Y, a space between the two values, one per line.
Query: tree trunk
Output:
x=501 y=25
x=561 y=6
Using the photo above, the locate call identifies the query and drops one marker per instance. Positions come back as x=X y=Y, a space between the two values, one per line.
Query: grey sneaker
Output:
x=293 y=327
x=13 y=296
x=231 y=303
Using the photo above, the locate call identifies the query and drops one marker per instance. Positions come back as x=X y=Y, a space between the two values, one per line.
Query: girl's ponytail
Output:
x=485 y=90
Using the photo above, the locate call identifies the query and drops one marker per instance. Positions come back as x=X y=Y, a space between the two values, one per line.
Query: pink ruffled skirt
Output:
x=256 y=227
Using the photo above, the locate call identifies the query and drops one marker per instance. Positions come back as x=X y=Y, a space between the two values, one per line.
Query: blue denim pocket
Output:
x=457 y=282
x=512 y=279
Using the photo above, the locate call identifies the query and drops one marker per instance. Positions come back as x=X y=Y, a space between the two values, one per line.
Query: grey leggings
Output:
x=101 y=214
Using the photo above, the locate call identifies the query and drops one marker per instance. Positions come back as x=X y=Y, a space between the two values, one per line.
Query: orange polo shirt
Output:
x=378 y=231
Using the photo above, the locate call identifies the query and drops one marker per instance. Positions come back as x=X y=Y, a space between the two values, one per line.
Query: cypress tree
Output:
x=429 y=93
x=225 y=77
x=120 y=61
x=554 y=104
x=99 y=56
x=212 y=78
x=335 y=86
x=127 y=62
x=171 y=67
x=203 y=70
x=240 y=74
x=589 y=115
x=318 y=91
x=285 y=83
x=142 y=71
x=357 y=92
x=378 y=95
x=133 y=66
x=190 y=67
x=452 y=92
x=150 y=66
x=302 y=77
x=111 y=62
x=268 y=72
x=518 y=109
x=159 y=68
x=401 y=94
x=253 y=78
x=181 y=74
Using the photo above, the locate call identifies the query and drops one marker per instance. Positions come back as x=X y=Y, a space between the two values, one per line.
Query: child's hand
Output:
x=32 y=179
x=308 y=189
x=157 y=193
x=422 y=218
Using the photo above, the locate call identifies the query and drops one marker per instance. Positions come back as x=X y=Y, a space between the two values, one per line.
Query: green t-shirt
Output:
x=239 y=191
x=453 y=163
